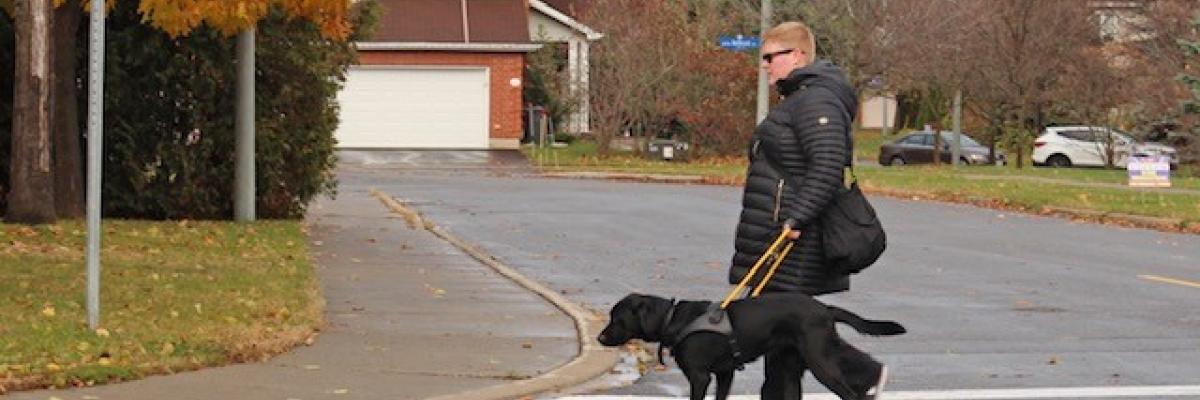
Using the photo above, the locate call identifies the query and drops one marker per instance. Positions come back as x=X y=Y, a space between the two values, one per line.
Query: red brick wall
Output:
x=505 y=100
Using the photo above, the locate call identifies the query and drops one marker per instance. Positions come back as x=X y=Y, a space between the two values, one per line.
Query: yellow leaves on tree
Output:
x=179 y=17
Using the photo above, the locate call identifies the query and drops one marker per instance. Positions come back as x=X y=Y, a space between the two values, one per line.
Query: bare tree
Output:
x=1149 y=52
x=1089 y=91
x=31 y=199
x=1026 y=47
x=64 y=111
x=638 y=69
x=928 y=45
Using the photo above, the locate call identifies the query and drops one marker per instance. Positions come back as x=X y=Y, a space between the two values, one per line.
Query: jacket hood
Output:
x=824 y=74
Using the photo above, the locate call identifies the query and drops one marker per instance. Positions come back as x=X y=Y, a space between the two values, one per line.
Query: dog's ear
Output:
x=650 y=313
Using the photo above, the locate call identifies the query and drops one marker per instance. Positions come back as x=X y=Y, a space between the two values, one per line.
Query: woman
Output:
x=797 y=155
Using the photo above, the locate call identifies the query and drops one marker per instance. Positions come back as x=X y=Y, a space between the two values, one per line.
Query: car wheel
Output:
x=1058 y=161
x=897 y=160
x=964 y=161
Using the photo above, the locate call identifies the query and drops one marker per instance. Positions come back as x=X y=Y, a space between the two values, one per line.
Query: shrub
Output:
x=170 y=111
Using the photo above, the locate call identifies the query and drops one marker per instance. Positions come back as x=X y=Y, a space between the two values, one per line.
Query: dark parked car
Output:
x=917 y=148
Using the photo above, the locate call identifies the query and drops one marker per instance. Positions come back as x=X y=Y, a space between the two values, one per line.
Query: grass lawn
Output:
x=581 y=156
x=175 y=296
x=1027 y=188
x=1013 y=188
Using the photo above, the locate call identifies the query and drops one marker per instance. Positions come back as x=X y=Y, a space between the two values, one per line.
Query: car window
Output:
x=1081 y=135
x=926 y=139
x=912 y=139
x=948 y=137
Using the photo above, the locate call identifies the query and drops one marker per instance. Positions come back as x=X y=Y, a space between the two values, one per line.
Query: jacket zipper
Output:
x=778 y=199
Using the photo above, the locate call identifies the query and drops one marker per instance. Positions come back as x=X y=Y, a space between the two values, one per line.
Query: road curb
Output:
x=593 y=360
x=621 y=176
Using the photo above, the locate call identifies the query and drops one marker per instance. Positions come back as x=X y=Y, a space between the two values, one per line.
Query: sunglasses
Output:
x=768 y=57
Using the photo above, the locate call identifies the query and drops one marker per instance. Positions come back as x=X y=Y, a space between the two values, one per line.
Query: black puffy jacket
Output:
x=804 y=137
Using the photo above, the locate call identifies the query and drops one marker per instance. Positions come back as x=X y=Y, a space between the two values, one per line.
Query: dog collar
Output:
x=662 y=329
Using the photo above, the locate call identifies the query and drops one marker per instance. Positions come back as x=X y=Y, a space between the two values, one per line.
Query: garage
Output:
x=414 y=107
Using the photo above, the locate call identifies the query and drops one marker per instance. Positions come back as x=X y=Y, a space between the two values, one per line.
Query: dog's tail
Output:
x=866 y=326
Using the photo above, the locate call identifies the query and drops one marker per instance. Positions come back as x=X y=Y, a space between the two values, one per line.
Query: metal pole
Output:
x=243 y=203
x=956 y=148
x=95 y=141
x=883 y=124
x=763 y=90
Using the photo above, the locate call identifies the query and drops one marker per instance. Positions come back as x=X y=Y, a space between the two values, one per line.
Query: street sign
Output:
x=739 y=42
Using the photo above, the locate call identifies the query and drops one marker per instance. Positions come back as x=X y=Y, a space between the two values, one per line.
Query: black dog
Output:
x=771 y=322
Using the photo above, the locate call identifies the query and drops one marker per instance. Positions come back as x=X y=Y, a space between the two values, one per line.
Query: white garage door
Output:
x=414 y=108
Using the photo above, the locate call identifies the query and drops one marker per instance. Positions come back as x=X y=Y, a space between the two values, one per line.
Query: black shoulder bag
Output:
x=851 y=234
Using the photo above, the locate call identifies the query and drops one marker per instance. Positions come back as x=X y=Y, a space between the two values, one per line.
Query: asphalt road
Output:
x=992 y=299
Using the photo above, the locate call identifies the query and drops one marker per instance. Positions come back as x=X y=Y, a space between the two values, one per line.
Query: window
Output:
x=915 y=140
x=926 y=139
x=1081 y=135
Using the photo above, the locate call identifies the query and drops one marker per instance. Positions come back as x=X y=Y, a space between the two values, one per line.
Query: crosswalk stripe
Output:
x=973 y=394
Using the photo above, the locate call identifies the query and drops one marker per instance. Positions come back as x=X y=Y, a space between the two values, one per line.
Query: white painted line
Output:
x=975 y=394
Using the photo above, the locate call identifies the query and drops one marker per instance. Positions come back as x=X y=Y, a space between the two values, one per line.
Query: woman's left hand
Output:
x=793 y=233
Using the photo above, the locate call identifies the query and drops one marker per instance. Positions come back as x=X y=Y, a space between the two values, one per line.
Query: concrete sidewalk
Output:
x=410 y=316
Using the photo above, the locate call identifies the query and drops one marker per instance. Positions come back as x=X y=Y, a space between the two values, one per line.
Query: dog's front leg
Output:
x=699 y=380
x=724 y=384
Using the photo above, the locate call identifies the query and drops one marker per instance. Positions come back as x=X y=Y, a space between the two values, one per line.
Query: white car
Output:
x=1065 y=146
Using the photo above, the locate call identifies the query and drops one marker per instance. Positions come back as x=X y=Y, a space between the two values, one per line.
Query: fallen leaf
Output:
x=52 y=367
x=312 y=367
x=527 y=345
x=1053 y=360
x=48 y=311
x=341 y=391
x=101 y=332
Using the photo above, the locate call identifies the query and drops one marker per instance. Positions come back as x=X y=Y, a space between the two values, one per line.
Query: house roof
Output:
x=572 y=8
x=556 y=14
x=453 y=23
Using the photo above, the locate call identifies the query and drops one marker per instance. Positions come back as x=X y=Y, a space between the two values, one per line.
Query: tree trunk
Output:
x=32 y=197
x=64 y=111
x=937 y=142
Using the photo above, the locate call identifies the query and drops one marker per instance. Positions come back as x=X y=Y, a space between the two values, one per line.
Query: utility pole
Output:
x=956 y=148
x=243 y=190
x=95 y=140
x=764 y=102
x=883 y=99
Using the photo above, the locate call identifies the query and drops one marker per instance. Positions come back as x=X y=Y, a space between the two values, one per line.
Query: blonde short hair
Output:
x=793 y=34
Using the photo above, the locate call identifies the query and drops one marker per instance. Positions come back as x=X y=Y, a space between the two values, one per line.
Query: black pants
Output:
x=785 y=367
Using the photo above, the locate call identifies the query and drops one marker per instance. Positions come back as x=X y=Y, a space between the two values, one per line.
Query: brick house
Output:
x=439 y=74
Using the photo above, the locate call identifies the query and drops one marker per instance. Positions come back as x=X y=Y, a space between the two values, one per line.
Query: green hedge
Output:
x=169 y=118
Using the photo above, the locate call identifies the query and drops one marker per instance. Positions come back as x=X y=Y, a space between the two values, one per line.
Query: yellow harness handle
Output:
x=754 y=270
x=774 y=266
